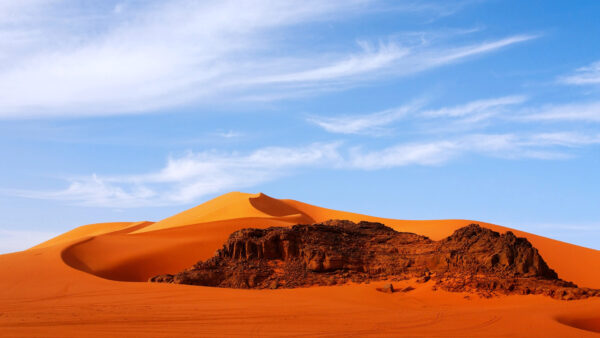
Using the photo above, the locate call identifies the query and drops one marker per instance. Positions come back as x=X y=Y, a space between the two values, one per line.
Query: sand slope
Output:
x=79 y=281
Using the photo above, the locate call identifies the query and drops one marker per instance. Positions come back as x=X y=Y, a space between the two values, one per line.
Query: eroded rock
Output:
x=473 y=259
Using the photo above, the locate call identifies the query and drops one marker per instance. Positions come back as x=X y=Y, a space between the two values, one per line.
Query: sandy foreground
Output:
x=90 y=282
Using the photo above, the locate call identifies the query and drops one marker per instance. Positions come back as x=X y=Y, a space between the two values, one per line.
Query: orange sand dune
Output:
x=231 y=206
x=80 y=283
x=89 y=230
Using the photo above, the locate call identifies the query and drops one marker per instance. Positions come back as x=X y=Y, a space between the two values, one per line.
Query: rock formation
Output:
x=473 y=259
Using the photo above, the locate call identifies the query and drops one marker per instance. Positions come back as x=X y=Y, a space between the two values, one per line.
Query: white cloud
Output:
x=386 y=60
x=188 y=178
x=479 y=108
x=455 y=54
x=581 y=111
x=468 y=114
x=589 y=75
x=428 y=153
x=545 y=146
x=229 y=134
x=566 y=139
x=370 y=60
x=362 y=123
x=68 y=59
x=374 y=123
x=159 y=55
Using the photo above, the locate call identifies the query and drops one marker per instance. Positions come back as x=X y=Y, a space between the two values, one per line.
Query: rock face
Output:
x=472 y=259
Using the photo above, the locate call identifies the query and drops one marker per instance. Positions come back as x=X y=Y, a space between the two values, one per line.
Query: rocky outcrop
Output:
x=472 y=259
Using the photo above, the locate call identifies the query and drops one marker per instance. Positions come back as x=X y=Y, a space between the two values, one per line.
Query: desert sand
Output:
x=91 y=282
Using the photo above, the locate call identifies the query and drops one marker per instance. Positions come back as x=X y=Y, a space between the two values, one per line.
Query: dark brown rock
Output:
x=472 y=259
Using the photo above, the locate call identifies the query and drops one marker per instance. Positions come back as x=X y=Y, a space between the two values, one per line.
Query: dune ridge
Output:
x=48 y=290
x=231 y=206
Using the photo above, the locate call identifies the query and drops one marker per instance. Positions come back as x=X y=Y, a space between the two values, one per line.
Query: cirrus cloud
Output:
x=63 y=59
x=188 y=178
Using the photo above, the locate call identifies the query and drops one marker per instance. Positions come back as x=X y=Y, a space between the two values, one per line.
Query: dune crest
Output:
x=233 y=205
x=91 y=230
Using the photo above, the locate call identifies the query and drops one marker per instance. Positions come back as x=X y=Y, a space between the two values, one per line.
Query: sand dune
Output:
x=233 y=205
x=76 y=282
x=89 y=230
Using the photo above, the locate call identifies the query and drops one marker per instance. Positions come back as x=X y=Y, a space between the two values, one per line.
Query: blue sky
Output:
x=136 y=110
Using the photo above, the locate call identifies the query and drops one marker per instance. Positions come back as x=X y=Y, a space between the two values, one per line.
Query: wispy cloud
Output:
x=366 y=123
x=459 y=53
x=546 y=146
x=186 y=179
x=144 y=56
x=426 y=153
x=375 y=123
x=566 y=139
x=589 y=75
x=478 y=109
x=229 y=134
x=370 y=60
x=580 y=111
x=469 y=115
x=385 y=60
